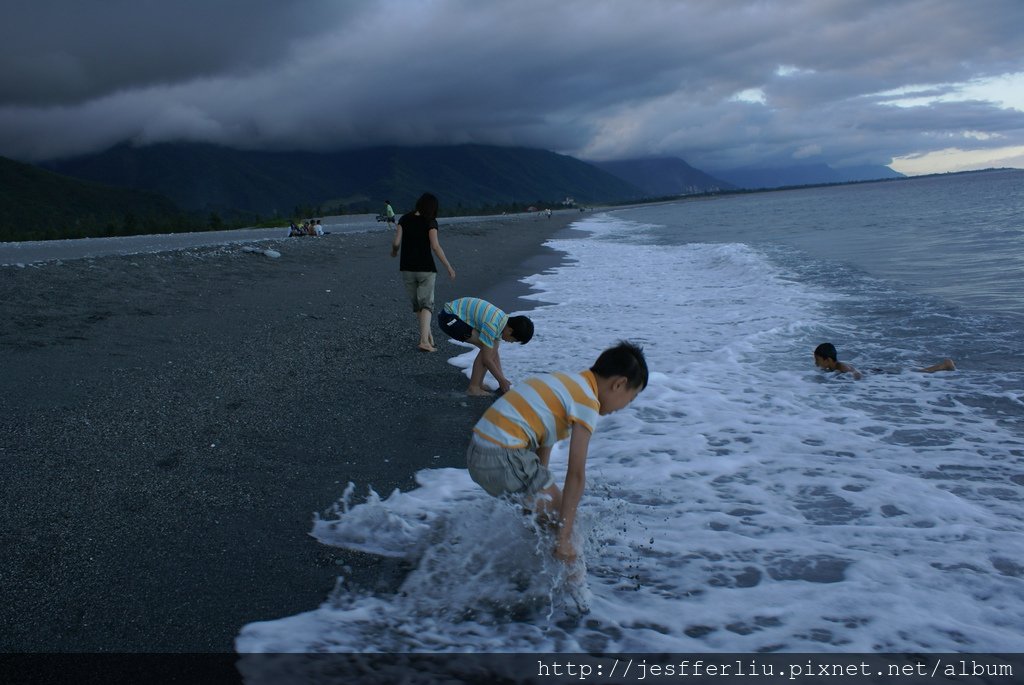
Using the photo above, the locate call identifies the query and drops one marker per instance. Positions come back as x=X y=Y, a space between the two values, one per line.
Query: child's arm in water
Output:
x=575 y=480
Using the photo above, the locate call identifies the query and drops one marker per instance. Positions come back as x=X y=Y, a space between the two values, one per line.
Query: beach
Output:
x=172 y=421
x=746 y=502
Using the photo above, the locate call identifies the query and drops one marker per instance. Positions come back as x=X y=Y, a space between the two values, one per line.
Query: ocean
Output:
x=746 y=501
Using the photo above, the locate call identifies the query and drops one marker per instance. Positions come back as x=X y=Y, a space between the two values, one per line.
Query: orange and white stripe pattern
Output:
x=541 y=411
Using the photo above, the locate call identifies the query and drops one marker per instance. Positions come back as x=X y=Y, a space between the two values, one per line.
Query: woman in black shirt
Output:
x=416 y=236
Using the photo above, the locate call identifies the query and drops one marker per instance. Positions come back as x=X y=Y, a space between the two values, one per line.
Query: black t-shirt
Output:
x=416 y=253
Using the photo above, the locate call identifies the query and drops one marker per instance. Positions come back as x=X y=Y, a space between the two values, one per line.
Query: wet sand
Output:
x=170 y=422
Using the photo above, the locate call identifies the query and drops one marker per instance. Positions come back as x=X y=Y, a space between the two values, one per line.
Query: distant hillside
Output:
x=664 y=176
x=811 y=174
x=208 y=178
x=36 y=204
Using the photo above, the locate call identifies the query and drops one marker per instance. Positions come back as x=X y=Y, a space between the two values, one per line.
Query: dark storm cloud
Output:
x=62 y=52
x=598 y=79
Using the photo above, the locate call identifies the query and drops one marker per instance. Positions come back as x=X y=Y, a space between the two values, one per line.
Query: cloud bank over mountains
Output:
x=722 y=85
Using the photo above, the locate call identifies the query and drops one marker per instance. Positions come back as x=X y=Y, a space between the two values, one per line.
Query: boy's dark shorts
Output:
x=454 y=327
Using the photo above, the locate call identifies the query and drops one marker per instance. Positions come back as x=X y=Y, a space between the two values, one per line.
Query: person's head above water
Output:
x=825 y=358
x=826 y=351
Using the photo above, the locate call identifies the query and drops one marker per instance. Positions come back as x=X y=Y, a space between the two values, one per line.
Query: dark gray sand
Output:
x=169 y=423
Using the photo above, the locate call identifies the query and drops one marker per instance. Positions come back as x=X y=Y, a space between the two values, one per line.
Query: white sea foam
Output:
x=744 y=502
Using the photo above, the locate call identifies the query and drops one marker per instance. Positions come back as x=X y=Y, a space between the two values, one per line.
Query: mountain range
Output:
x=36 y=204
x=754 y=178
x=200 y=177
x=665 y=176
x=193 y=186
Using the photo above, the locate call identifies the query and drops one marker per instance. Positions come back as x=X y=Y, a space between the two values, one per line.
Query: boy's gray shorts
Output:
x=502 y=470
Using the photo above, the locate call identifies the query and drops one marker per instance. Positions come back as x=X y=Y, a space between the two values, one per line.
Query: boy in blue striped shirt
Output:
x=480 y=323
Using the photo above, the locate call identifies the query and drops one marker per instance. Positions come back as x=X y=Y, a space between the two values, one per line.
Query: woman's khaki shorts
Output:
x=420 y=286
x=503 y=471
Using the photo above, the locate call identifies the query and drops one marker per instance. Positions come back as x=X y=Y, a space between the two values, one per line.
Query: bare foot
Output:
x=426 y=348
x=478 y=392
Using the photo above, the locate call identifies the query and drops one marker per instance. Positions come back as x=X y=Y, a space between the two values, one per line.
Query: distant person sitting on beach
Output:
x=416 y=236
x=511 y=443
x=825 y=358
x=389 y=213
x=480 y=323
x=294 y=230
x=318 y=228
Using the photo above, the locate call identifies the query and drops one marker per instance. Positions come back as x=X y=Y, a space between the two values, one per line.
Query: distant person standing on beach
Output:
x=480 y=323
x=416 y=236
x=825 y=357
x=389 y=213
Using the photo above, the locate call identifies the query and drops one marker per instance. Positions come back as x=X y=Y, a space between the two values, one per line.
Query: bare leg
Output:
x=476 y=378
x=426 y=338
x=944 y=365
x=546 y=505
x=497 y=363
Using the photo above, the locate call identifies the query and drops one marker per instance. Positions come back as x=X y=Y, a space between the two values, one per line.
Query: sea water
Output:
x=746 y=501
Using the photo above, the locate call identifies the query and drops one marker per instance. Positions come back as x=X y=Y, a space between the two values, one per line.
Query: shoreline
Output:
x=174 y=420
x=36 y=252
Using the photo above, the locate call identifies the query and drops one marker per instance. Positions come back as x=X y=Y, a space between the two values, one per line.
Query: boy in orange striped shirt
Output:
x=512 y=441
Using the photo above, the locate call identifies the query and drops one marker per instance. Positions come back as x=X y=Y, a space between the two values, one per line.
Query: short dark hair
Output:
x=625 y=359
x=522 y=328
x=427 y=205
x=825 y=351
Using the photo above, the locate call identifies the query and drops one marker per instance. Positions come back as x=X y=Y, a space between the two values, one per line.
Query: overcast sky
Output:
x=936 y=85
